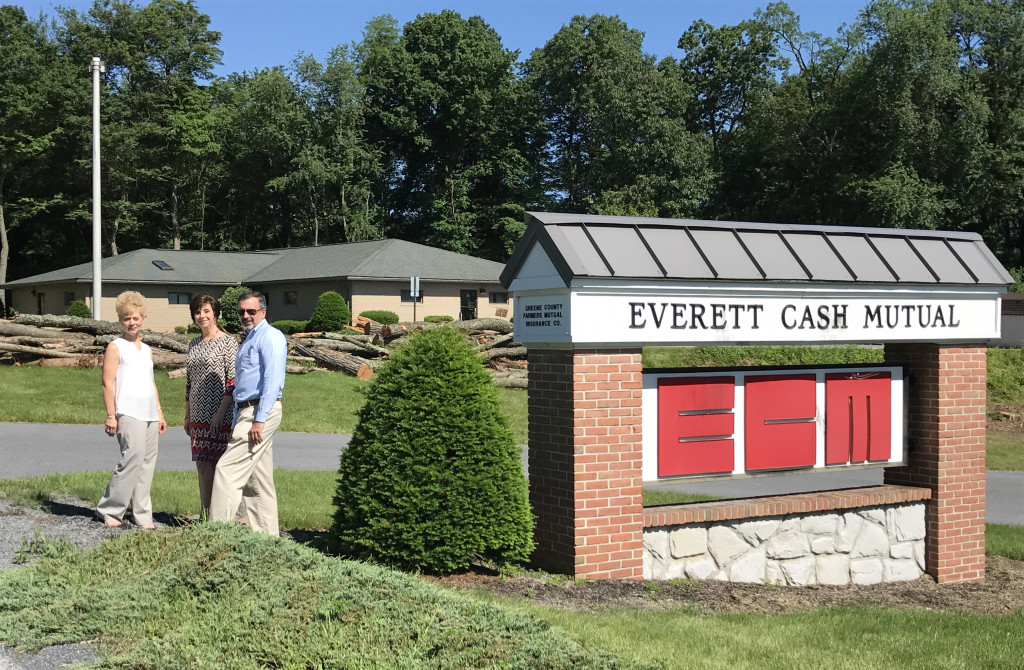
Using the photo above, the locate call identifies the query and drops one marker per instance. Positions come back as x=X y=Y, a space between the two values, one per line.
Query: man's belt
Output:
x=248 y=403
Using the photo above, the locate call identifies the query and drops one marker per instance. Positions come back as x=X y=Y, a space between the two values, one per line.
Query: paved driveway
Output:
x=29 y=450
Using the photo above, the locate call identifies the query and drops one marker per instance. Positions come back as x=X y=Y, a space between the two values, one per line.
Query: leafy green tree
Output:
x=333 y=174
x=30 y=107
x=452 y=124
x=616 y=140
x=432 y=477
x=158 y=119
x=331 y=313
x=261 y=138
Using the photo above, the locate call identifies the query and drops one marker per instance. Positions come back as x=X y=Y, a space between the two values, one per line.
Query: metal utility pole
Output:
x=96 y=67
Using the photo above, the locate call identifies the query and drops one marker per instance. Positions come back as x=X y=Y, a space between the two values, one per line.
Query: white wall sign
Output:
x=584 y=317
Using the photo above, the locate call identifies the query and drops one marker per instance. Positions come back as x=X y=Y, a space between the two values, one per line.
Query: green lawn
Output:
x=317 y=402
x=194 y=597
x=842 y=638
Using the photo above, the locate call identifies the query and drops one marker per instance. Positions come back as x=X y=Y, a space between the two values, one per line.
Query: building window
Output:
x=179 y=298
x=291 y=297
x=499 y=297
x=408 y=298
x=69 y=297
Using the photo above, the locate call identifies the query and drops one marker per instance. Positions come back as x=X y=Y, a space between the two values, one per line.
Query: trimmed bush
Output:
x=229 y=308
x=80 y=309
x=432 y=476
x=438 y=318
x=290 y=326
x=331 y=313
x=380 y=316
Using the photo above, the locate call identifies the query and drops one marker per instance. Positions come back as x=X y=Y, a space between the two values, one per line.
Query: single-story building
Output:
x=371 y=275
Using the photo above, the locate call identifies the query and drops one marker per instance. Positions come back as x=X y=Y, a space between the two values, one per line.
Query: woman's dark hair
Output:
x=197 y=303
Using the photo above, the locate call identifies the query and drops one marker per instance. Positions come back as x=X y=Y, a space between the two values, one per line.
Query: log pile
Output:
x=50 y=340
x=62 y=341
x=363 y=348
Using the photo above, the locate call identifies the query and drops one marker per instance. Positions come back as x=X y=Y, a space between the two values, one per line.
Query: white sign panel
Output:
x=543 y=318
x=594 y=318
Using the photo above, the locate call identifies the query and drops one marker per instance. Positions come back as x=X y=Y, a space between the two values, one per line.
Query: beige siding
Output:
x=438 y=299
x=306 y=294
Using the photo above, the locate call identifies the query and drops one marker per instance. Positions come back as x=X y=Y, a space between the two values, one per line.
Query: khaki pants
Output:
x=132 y=478
x=245 y=473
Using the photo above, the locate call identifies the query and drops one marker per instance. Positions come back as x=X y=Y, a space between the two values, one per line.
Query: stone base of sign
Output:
x=863 y=536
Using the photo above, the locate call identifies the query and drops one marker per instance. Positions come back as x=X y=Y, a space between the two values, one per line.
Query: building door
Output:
x=467 y=300
x=40 y=302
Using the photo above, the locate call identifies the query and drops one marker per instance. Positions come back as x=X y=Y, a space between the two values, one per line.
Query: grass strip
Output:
x=847 y=638
x=220 y=596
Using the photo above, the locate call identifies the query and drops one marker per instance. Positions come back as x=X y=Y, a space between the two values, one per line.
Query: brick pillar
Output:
x=585 y=460
x=946 y=453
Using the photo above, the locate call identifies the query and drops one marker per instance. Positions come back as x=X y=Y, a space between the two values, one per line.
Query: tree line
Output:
x=909 y=116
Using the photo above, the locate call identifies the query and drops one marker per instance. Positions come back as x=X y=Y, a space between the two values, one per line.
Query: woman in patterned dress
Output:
x=210 y=366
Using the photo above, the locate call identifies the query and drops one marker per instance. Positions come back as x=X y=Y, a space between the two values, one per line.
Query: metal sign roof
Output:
x=588 y=246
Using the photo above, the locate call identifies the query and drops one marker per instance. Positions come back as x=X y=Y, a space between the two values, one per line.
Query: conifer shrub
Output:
x=290 y=326
x=229 y=308
x=438 y=318
x=384 y=316
x=80 y=309
x=432 y=476
x=331 y=313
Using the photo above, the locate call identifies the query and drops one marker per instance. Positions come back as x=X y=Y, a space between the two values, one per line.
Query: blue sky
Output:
x=263 y=33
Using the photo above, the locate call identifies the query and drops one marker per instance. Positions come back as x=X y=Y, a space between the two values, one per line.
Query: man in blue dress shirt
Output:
x=246 y=470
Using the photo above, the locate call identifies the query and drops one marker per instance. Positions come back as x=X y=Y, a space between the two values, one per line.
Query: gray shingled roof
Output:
x=189 y=266
x=643 y=248
x=378 y=259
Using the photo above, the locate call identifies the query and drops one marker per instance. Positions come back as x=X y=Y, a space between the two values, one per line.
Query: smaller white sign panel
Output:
x=544 y=318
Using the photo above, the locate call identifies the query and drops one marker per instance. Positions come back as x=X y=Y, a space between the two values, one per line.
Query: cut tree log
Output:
x=44 y=342
x=94 y=362
x=353 y=365
x=70 y=322
x=36 y=351
x=340 y=345
x=495 y=342
x=366 y=344
x=473 y=325
x=150 y=338
x=511 y=382
x=508 y=352
x=10 y=329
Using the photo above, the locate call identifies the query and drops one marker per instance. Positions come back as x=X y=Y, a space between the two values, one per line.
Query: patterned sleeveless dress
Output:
x=210 y=371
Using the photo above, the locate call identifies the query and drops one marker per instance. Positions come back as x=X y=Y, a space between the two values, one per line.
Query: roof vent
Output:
x=163 y=265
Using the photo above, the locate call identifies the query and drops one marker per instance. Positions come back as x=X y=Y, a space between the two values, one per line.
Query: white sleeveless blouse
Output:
x=134 y=394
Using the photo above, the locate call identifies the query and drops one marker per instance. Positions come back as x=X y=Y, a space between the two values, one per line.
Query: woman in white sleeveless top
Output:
x=133 y=415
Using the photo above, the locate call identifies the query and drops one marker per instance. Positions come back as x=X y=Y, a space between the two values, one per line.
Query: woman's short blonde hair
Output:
x=128 y=302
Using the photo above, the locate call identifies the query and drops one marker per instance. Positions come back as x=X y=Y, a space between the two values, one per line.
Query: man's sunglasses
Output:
x=250 y=312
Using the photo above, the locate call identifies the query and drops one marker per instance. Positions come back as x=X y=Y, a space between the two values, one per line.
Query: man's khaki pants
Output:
x=245 y=473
